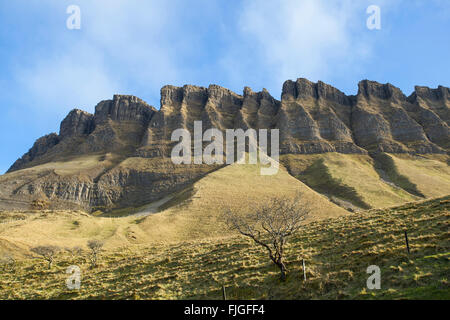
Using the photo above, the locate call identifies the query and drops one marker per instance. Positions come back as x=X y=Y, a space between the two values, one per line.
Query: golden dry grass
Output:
x=337 y=253
x=88 y=166
x=236 y=187
x=195 y=214
x=430 y=174
x=186 y=252
x=355 y=177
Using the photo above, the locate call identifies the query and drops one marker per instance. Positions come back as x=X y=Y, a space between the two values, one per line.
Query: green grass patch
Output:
x=384 y=162
x=318 y=177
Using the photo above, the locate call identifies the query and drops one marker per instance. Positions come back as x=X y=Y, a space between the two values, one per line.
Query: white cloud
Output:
x=132 y=46
x=301 y=38
x=136 y=34
x=73 y=80
x=122 y=47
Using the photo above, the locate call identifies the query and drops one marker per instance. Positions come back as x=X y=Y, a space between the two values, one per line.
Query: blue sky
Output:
x=136 y=47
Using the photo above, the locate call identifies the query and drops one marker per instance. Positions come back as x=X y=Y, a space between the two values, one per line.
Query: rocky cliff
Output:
x=312 y=117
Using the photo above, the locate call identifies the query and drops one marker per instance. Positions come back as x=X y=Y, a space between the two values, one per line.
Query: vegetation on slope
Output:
x=386 y=165
x=193 y=214
x=349 y=177
x=318 y=177
x=337 y=253
x=430 y=173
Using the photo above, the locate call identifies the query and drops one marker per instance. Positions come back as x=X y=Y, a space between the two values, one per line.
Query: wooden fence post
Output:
x=304 y=270
x=224 y=294
x=406 y=239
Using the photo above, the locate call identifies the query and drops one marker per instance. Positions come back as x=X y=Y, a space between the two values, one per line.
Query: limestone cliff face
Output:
x=39 y=149
x=438 y=100
x=312 y=118
x=431 y=109
x=124 y=108
x=315 y=118
x=215 y=106
x=119 y=125
x=384 y=119
x=77 y=123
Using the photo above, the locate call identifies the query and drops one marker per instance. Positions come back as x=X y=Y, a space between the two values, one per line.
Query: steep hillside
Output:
x=365 y=182
x=193 y=213
x=238 y=187
x=337 y=253
x=430 y=174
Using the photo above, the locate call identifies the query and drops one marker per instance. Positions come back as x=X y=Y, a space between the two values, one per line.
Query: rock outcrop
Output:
x=215 y=106
x=312 y=118
x=315 y=118
x=39 y=149
x=384 y=120
x=77 y=123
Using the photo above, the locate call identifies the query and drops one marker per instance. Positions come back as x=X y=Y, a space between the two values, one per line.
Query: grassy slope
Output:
x=337 y=253
x=13 y=191
x=349 y=177
x=430 y=174
x=194 y=213
x=238 y=187
x=89 y=166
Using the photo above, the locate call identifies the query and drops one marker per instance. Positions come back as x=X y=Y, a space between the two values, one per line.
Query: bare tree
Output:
x=270 y=225
x=96 y=247
x=74 y=251
x=7 y=262
x=47 y=253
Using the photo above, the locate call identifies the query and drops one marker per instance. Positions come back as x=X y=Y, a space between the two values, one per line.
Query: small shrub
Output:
x=96 y=247
x=47 y=253
x=7 y=263
x=74 y=251
x=40 y=204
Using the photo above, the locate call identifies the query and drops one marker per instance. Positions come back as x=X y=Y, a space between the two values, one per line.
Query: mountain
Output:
x=373 y=149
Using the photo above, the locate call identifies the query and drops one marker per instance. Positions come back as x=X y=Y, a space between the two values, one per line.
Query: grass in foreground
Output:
x=337 y=253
